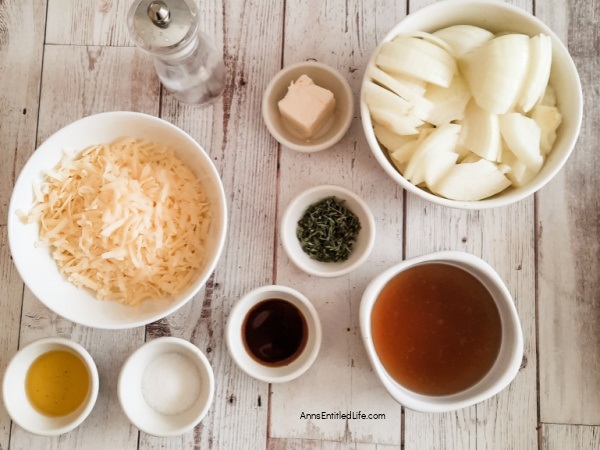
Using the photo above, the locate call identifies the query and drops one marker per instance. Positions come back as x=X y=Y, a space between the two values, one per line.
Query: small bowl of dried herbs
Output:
x=327 y=231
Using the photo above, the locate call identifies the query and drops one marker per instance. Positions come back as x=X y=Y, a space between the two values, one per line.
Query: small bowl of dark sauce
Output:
x=273 y=334
x=442 y=331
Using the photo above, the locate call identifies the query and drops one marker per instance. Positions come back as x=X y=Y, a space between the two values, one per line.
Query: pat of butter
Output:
x=306 y=107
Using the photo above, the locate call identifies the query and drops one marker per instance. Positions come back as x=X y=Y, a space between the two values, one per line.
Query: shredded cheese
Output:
x=127 y=220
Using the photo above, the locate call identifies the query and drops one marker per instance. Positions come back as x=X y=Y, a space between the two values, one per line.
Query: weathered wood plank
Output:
x=102 y=22
x=341 y=378
x=504 y=238
x=11 y=294
x=569 y=243
x=570 y=437
x=308 y=444
x=233 y=134
x=509 y=419
x=21 y=49
x=78 y=81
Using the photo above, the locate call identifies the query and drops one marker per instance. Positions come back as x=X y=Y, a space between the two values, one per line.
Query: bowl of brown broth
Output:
x=273 y=334
x=441 y=331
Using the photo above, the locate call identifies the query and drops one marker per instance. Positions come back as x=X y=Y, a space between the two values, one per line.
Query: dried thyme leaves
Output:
x=327 y=231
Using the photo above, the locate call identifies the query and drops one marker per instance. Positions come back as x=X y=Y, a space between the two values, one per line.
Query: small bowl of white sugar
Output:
x=166 y=387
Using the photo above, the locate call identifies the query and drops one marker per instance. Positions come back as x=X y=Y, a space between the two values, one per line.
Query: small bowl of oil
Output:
x=50 y=386
x=441 y=331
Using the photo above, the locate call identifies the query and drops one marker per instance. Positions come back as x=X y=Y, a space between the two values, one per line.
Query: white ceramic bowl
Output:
x=235 y=343
x=324 y=76
x=130 y=388
x=495 y=16
x=509 y=358
x=38 y=269
x=15 y=397
x=296 y=209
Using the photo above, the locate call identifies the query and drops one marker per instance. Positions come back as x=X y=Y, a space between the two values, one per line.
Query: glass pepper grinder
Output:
x=186 y=60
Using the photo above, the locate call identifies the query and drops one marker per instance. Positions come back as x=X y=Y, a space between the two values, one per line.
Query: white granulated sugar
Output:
x=171 y=384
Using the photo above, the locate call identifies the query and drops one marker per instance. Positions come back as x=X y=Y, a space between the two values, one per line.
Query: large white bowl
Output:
x=37 y=268
x=509 y=358
x=495 y=16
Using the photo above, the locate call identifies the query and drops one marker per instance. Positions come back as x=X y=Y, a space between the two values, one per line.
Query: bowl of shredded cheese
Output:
x=117 y=220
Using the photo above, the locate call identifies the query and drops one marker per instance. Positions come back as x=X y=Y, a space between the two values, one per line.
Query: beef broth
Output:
x=436 y=329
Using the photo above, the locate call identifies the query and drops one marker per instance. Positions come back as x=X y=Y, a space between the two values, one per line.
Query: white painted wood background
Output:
x=64 y=59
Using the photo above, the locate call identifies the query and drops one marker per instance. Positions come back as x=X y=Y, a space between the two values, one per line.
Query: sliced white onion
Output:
x=538 y=72
x=419 y=59
x=548 y=119
x=462 y=151
x=481 y=132
x=522 y=136
x=389 y=139
x=472 y=181
x=421 y=106
x=414 y=84
x=519 y=174
x=379 y=97
x=425 y=47
x=402 y=154
x=549 y=97
x=436 y=166
x=448 y=103
x=403 y=125
x=464 y=38
x=430 y=110
x=496 y=70
x=441 y=140
x=471 y=158
x=432 y=39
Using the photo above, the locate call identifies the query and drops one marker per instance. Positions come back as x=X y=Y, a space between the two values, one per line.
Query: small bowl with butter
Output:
x=308 y=106
x=50 y=386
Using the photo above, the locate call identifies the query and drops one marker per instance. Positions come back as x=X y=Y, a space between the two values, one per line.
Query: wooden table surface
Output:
x=61 y=60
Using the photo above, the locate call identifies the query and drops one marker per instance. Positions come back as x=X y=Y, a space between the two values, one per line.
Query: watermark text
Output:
x=339 y=415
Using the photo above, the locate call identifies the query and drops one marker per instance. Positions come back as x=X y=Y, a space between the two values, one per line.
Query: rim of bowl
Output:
x=490 y=202
x=38 y=291
x=243 y=306
x=308 y=148
x=327 y=190
x=93 y=390
x=505 y=377
x=190 y=350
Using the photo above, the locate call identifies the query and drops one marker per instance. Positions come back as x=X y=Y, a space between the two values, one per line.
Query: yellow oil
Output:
x=57 y=383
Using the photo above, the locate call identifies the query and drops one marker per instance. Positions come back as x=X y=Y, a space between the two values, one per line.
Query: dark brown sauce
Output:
x=275 y=332
x=436 y=329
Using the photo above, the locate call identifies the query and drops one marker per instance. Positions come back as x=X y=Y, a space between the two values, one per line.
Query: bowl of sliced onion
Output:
x=471 y=104
x=117 y=220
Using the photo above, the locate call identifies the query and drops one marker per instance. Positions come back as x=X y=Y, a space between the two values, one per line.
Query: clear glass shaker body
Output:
x=187 y=62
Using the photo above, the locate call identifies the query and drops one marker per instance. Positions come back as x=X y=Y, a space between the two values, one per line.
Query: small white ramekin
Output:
x=509 y=358
x=322 y=75
x=15 y=397
x=132 y=400
x=235 y=343
x=296 y=209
